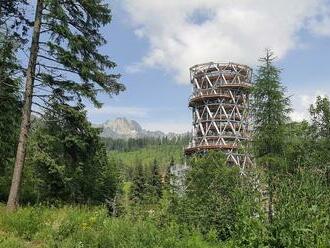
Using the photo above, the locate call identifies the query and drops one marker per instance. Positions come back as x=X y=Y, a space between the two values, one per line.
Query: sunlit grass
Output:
x=80 y=226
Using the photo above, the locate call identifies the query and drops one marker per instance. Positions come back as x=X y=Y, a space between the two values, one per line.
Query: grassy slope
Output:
x=163 y=154
x=87 y=227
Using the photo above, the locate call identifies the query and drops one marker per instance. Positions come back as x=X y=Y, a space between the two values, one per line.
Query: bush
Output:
x=215 y=197
x=302 y=210
x=89 y=227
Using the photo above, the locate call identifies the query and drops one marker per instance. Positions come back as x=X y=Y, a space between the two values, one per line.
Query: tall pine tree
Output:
x=139 y=183
x=65 y=62
x=270 y=108
x=155 y=184
x=10 y=105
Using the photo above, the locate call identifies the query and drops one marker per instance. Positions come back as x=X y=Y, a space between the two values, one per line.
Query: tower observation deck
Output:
x=220 y=110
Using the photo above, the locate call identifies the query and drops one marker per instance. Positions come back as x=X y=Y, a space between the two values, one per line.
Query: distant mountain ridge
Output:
x=122 y=128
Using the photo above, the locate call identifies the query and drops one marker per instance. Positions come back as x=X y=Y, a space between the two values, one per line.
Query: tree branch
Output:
x=42 y=106
x=36 y=112
x=57 y=68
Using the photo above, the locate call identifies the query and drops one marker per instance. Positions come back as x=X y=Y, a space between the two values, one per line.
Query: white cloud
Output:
x=322 y=27
x=302 y=102
x=182 y=33
x=320 y=24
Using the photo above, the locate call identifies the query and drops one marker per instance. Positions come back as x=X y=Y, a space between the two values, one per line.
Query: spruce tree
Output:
x=66 y=63
x=69 y=158
x=10 y=105
x=155 y=183
x=270 y=108
x=139 y=183
x=11 y=20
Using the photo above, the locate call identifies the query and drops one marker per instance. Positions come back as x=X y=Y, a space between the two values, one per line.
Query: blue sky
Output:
x=154 y=42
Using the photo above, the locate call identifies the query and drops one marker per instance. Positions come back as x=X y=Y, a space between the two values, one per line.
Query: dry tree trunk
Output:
x=26 y=112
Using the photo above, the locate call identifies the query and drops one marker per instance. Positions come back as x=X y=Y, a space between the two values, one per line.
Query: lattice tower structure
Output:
x=220 y=111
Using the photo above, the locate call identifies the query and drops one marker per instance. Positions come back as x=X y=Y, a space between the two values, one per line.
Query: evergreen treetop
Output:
x=270 y=108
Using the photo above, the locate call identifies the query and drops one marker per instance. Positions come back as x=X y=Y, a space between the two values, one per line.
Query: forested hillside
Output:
x=146 y=150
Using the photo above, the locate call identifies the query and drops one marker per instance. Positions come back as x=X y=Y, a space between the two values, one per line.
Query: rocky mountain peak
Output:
x=122 y=128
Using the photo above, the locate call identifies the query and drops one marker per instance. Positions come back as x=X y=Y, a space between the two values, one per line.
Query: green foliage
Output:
x=308 y=145
x=302 y=210
x=67 y=162
x=64 y=67
x=139 y=184
x=297 y=145
x=319 y=146
x=10 y=106
x=89 y=227
x=320 y=114
x=154 y=183
x=163 y=153
x=71 y=65
x=123 y=145
x=69 y=159
x=136 y=169
x=26 y=226
x=214 y=197
x=269 y=109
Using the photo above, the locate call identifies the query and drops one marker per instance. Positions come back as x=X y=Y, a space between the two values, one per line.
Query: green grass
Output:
x=162 y=153
x=71 y=226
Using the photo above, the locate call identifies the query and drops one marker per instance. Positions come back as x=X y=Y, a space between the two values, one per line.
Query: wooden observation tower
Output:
x=220 y=111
